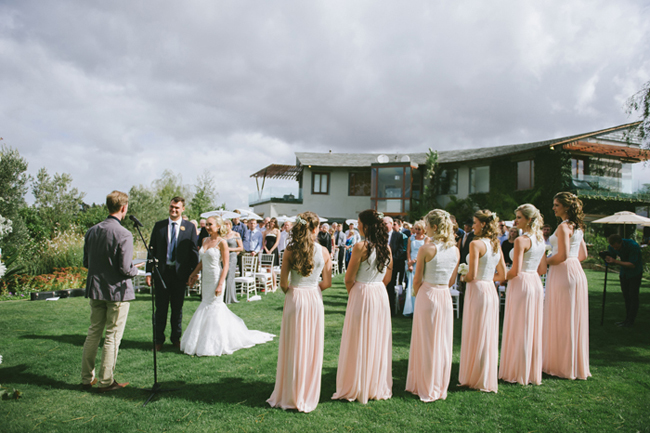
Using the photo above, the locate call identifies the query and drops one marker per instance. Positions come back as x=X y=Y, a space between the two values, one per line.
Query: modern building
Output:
x=596 y=165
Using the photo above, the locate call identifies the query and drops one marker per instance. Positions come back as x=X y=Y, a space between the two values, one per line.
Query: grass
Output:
x=41 y=343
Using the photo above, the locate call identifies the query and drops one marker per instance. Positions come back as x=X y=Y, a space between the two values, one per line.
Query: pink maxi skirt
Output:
x=432 y=341
x=521 y=339
x=479 y=346
x=300 y=355
x=365 y=359
x=565 y=337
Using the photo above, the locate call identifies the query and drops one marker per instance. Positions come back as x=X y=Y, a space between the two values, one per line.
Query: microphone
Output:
x=136 y=222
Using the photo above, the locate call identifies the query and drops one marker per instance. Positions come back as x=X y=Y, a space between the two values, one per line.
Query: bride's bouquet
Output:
x=463 y=269
x=549 y=250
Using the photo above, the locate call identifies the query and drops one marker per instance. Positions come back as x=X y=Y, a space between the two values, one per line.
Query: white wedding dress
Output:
x=215 y=330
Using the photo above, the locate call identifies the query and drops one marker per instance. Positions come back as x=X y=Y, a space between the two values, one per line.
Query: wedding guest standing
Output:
x=565 y=348
x=414 y=243
x=432 y=338
x=479 y=348
x=235 y=247
x=365 y=359
x=631 y=270
x=521 y=339
x=508 y=244
x=397 y=242
x=173 y=242
x=108 y=250
x=302 y=335
x=324 y=238
x=272 y=240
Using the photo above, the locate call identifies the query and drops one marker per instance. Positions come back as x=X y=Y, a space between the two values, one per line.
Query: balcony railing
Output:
x=602 y=186
x=276 y=195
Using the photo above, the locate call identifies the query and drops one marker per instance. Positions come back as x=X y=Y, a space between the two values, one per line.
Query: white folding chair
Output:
x=246 y=283
x=335 y=261
x=278 y=270
x=502 y=295
x=264 y=277
x=455 y=299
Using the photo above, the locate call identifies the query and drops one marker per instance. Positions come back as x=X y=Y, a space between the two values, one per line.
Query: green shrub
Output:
x=65 y=250
x=19 y=286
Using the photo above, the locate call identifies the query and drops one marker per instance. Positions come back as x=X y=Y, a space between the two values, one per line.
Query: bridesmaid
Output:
x=479 y=347
x=565 y=347
x=235 y=246
x=302 y=335
x=415 y=242
x=432 y=339
x=365 y=359
x=521 y=339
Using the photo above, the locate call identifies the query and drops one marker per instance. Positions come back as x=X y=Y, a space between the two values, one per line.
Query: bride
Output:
x=215 y=330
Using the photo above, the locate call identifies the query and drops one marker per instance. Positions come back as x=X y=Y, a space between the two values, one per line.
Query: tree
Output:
x=57 y=203
x=640 y=103
x=205 y=198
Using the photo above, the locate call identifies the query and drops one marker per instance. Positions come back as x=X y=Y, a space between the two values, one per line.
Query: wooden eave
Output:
x=625 y=152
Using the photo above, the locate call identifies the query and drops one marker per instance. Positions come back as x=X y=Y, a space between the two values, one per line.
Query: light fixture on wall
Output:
x=552 y=147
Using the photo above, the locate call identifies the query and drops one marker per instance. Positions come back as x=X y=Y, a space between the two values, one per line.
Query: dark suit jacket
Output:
x=398 y=245
x=108 y=254
x=464 y=249
x=187 y=254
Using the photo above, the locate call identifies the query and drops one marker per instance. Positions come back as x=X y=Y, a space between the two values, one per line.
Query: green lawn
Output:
x=41 y=343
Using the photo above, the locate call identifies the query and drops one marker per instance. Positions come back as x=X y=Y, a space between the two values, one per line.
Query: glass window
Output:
x=359 y=183
x=479 y=179
x=448 y=181
x=417 y=183
x=526 y=174
x=320 y=183
x=577 y=168
x=389 y=206
x=390 y=181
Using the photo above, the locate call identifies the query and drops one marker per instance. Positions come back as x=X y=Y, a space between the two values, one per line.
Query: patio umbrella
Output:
x=283 y=219
x=226 y=214
x=351 y=221
x=247 y=214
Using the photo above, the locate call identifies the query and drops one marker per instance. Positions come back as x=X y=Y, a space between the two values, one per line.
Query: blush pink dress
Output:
x=302 y=336
x=432 y=338
x=365 y=359
x=565 y=335
x=521 y=339
x=479 y=346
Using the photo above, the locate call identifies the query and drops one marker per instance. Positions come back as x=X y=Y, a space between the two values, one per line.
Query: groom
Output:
x=173 y=244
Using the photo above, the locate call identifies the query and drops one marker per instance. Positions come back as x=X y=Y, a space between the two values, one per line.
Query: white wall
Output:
x=337 y=204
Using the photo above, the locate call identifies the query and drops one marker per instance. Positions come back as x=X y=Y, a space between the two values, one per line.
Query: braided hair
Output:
x=573 y=206
x=302 y=244
x=491 y=228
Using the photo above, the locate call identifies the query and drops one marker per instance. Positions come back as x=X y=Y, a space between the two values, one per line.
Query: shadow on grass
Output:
x=79 y=339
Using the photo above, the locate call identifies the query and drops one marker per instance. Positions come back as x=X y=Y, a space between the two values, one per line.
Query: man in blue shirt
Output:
x=631 y=270
x=254 y=243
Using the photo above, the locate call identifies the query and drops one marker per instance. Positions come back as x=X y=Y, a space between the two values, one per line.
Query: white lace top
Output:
x=487 y=264
x=574 y=243
x=438 y=270
x=368 y=272
x=534 y=254
x=297 y=280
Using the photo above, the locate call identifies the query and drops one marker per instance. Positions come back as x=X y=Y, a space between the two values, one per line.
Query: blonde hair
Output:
x=115 y=201
x=491 y=228
x=445 y=232
x=536 y=221
x=223 y=230
x=419 y=224
x=573 y=206
x=301 y=244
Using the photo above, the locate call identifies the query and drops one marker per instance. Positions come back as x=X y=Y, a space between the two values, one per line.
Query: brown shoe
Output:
x=158 y=347
x=177 y=344
x=113 y=386
x=89 y=386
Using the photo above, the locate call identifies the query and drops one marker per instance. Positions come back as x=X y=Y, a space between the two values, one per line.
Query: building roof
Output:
x=277 y=171
x=456 y=156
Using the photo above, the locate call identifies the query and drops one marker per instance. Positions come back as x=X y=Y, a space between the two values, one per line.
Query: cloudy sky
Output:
x=116 y=92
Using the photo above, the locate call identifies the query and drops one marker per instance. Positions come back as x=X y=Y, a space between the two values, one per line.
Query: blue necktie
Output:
x=171 y=254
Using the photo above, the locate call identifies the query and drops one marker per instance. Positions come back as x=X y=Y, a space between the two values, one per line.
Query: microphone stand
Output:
x=156 y=387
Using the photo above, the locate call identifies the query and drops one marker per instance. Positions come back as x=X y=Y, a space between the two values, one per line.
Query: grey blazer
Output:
x=108 y=254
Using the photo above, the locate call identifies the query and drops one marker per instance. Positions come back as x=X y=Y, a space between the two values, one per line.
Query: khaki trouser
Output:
x=112 y=316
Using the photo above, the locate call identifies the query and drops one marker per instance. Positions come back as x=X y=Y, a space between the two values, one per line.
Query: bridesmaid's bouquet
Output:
x=548 y=249
x=463 y=269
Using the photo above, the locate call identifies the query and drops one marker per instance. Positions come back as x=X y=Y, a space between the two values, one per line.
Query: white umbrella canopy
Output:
x=220 y=213
x=624 y=217
x=283 y=219
x=351 y=221
x=323 y=220
x=293 y=219
x=247 y=214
